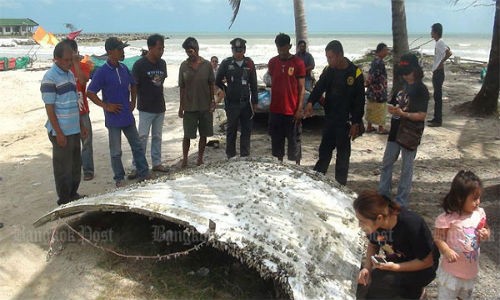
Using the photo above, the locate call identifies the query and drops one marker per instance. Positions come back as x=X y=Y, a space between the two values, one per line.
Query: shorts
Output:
x=201 y=120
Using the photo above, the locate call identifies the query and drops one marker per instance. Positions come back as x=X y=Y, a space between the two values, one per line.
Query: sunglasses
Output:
x=238 y=49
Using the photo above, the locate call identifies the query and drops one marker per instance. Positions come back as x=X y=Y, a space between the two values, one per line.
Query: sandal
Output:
x=371 y=129
x=383 y=131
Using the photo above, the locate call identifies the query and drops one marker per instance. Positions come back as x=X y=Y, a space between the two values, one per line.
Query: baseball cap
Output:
x=408 y=63
x=113 y=43
x=238 y=44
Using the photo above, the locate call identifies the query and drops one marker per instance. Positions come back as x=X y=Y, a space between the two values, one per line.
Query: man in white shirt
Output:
x=441 y=54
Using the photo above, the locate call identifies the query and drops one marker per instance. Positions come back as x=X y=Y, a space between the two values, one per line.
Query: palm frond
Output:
x=235 y=4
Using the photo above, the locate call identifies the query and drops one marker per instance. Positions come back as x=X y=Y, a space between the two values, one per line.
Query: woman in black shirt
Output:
x=403 y=240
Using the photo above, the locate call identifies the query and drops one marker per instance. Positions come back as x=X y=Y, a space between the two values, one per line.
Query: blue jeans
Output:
x=87 y=149
x=391 y=155
x=153 y=121
x=115 y=149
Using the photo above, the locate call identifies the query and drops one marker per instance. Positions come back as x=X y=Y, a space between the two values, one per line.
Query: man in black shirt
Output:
x=344 y=105
x=149 y=73
x=237 y=77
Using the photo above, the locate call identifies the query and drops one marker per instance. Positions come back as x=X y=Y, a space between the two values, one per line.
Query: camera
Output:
x=378 y=260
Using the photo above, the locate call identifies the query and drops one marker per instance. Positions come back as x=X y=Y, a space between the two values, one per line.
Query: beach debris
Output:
x=301 y=234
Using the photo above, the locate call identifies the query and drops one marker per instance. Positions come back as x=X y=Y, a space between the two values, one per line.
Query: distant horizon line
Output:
x=270 y=33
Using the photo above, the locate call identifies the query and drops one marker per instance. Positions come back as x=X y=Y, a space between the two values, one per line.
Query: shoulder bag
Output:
x=409 y=133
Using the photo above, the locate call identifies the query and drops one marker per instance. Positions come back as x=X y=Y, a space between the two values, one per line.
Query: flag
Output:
x=44 y=38
x=74 y=34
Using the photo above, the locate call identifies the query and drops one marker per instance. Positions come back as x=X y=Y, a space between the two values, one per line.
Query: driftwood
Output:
x=288 y=223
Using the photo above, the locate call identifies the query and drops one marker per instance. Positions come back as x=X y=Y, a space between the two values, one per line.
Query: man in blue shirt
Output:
x=308 y=61
x=58 y=90
x=118 y=101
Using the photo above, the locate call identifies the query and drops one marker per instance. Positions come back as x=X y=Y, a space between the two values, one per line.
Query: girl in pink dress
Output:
x=458 y=233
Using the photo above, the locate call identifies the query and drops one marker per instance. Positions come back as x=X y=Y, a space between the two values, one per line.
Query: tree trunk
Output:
x=486 y=101
x=300 y=21
x=399 y=39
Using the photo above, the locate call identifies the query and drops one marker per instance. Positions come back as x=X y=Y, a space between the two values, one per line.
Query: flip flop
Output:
x=385 y=131
x=370 y=130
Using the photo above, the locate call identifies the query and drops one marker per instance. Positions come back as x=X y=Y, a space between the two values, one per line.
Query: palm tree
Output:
x=399 y=39
x=299 y=12
x=486 y=101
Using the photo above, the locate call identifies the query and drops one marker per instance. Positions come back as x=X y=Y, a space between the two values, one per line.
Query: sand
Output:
x=27 y=189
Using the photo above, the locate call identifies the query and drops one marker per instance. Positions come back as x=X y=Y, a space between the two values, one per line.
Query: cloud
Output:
x=8 y=4
x=342 y=5
x=125 y=5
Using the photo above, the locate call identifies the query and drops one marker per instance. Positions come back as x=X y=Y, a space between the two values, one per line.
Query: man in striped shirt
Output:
x=58 y=90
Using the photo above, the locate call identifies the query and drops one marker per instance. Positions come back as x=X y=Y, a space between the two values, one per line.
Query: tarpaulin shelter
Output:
x=43 y=39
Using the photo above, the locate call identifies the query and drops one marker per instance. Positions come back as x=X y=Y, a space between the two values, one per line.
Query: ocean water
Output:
x=260 y=47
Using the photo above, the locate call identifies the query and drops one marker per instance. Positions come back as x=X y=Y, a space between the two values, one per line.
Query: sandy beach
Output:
x=27 y=186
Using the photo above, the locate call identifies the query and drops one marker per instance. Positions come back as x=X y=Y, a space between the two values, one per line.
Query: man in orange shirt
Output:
x=287 y=73
x=81 y=70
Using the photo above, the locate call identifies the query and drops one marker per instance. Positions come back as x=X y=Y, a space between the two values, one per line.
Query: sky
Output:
x=255 y=16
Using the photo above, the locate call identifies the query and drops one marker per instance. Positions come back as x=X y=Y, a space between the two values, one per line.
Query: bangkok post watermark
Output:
x=163 y=234
x=25 y=234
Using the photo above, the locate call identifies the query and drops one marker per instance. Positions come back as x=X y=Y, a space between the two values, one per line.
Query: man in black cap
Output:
x=238 y=79
x=119 y=94
x=149 y=72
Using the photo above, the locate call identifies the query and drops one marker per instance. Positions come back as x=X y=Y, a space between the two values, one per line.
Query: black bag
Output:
x=409 y=133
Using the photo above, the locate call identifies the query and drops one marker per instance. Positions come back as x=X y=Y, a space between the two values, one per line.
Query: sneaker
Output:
x=61 y=202
x=120 y=183
x=161 y=168
x=147 y=177
x=435 y=124
x=77 y=196
x=132 y=175
x=88 y=177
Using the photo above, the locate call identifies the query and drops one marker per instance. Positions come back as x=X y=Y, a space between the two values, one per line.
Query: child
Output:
x=458 y=232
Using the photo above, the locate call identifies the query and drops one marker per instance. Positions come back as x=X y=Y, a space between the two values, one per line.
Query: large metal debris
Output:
x=286 y=222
